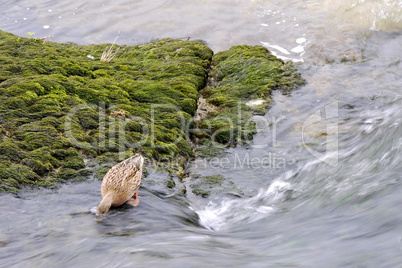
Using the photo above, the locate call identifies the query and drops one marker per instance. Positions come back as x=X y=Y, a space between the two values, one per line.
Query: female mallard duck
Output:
x=121 y=183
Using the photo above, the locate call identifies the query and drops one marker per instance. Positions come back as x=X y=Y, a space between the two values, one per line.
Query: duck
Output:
x=121 y=183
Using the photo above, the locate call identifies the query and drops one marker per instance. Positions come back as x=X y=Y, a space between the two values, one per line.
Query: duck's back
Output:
x=122 y=181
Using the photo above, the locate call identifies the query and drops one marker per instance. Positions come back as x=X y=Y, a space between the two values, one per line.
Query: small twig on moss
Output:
x=46 y=38
x=109 y=53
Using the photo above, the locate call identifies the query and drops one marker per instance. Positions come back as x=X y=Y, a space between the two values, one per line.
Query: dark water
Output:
x=319 y=187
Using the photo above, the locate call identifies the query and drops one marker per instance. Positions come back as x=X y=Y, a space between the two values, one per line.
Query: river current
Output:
x=319 y=186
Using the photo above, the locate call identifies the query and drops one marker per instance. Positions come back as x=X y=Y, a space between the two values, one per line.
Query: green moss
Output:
x=66 y=174
x=170 y=183
x=15 y=176
x=209 y=149
x=214 y=179
x=100 y=171
x=188 y=105
x=214 y=184
x=202 y=192
x=62 y=154
x=10 y=151
x=44 y=155
x=75 y=162
x=239 y=74
x=37 y=166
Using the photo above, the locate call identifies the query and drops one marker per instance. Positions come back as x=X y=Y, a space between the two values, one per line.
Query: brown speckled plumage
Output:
x=120 y=183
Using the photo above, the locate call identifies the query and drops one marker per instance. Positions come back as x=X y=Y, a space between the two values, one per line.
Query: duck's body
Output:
x=121 y=183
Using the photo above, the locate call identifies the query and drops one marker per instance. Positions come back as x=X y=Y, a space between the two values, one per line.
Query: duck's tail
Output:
x=105 y=204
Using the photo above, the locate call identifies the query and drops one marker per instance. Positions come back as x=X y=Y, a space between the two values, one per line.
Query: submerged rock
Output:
x=216 y=184
x=66 y=115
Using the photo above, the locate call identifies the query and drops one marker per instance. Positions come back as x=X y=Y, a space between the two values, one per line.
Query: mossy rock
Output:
x=58 y=106
x=67 y=173
x=239 y=74
x=76 y=163
x=10 y=151
x=37 y=166
x=13 y=177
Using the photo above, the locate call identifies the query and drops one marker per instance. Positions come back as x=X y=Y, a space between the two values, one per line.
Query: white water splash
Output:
x=255 y=102
x=229 y=213
x=296 y=54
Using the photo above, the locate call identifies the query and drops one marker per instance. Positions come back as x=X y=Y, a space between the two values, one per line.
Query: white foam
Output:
x=94 y=210
x=295 y=53
x=298 y=49
x=255 y=102
x=229 y=213
x=301 y=40
x=279 y=48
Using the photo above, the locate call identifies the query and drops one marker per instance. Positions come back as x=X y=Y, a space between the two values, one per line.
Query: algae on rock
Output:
x=205 y=186
x=61 y=110
x=238 y=75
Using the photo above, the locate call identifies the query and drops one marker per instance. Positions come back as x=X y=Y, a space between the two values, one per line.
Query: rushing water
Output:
x=320 y=186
